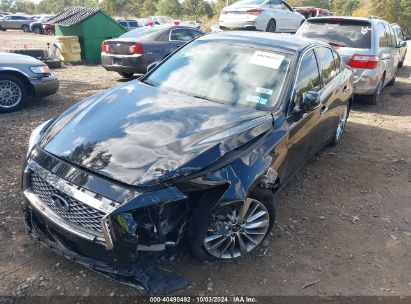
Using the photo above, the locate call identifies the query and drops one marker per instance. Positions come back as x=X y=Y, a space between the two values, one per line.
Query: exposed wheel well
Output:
x=22 y=77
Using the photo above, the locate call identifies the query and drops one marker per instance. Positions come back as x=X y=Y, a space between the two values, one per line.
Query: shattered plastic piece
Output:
x=127 y=222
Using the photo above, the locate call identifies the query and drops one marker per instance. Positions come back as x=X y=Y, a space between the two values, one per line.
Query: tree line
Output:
x=398 y=11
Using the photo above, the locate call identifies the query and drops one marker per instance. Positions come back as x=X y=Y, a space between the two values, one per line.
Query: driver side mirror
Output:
x=310 y=101
x=401 y=44
x=152 y=66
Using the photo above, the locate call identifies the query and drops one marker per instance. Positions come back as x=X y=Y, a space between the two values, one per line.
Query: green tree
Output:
x=197 y=8
x=170 y=8
x=149 y=7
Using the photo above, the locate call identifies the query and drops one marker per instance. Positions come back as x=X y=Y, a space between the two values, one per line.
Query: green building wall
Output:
x=91 y=33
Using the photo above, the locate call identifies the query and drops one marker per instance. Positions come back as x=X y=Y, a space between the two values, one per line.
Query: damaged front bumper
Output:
x=113 y=238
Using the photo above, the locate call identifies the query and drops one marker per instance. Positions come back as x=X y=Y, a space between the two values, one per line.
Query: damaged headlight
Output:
x=36 y=135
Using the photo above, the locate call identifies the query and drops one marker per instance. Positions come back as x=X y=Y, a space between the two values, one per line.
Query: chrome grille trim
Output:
x=51 y=216
x=105 y=237
x=77 y=212
x=70 y=190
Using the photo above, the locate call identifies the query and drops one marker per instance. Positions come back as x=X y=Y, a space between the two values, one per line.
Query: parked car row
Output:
x=37 y=24
x=40 y=26
x=196 y=148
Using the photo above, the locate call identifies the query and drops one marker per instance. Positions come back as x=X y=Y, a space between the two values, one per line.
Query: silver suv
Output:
x=368 y=45
x=16 y=22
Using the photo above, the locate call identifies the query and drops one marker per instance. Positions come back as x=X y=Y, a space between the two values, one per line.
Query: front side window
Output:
x=181 y=35
x=230 y=74
x=308 y=76
x=326 y=63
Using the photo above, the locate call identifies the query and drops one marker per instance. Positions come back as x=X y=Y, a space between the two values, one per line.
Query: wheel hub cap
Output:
x=10 y=94
x=236 y=229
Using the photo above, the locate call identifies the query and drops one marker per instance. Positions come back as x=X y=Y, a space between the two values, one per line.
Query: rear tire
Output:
x=13 y=93
x=392 y=82
x=50 y=32
x=375 y=98
x=339 y=131
x=271 y=26
x=25 y=28
x=126 y=75
x=203 y=218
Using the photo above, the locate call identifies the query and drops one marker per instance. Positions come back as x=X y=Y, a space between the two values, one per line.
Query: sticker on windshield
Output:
x=257 y=99
x=365 y=29
x=264 y=91
x=266 y=59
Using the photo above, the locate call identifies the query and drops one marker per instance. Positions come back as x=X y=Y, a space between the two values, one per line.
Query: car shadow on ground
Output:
x=397 y=93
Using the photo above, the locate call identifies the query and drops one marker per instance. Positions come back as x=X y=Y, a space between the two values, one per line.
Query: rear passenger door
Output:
x=333 y=94
x=391 y=53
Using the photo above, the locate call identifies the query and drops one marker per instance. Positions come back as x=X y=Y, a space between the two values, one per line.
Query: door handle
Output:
x=324 y=110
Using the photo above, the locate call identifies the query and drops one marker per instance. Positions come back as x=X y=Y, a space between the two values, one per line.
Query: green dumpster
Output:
x=91 y=25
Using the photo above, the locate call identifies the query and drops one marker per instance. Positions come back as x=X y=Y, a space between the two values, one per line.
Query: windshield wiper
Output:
x=148 y=83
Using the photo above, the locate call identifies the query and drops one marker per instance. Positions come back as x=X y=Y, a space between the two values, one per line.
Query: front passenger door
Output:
x=302 y=141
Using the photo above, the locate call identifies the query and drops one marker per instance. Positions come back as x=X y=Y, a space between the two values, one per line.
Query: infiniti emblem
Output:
x=60 y=202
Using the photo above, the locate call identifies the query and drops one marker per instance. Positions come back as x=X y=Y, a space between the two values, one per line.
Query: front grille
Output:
x=77 y=212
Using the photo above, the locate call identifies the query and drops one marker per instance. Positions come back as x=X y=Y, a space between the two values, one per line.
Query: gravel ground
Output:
x=344 y=221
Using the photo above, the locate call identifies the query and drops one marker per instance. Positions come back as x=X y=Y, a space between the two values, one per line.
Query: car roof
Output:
x=286 y=42
x=363 y=19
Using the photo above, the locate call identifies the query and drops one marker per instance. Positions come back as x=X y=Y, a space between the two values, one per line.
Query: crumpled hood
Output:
x=138 y=134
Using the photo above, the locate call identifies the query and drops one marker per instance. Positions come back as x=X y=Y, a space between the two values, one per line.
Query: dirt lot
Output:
x=344 y=220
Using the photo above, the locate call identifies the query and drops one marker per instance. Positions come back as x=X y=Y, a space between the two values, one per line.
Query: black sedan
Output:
x=193 y=150
x=134 y=51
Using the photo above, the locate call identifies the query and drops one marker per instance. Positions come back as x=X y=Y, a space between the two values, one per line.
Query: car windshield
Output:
x=338 y=33
x=147 y=31
x=230 y=74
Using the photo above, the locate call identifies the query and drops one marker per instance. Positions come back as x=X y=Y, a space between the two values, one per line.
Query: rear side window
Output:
x=337 y=62
x=133 y=23
x=308 y=76
x=181 y=35
x=196 y=33
x=327 y=64
x=391 y=41
x=381 y=36
x=341 y=33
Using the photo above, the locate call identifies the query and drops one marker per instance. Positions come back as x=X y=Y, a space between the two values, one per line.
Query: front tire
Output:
x=271 y=26
x=13 y=93
x=232 y=229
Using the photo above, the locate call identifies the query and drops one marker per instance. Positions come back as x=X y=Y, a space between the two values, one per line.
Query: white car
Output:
x=263 y=15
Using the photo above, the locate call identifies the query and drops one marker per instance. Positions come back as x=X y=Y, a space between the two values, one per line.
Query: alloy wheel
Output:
x=10 y=94
x=236 y=229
